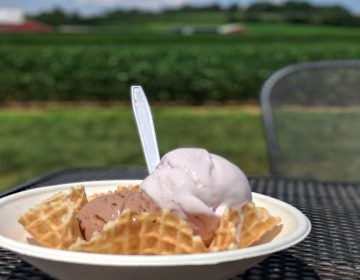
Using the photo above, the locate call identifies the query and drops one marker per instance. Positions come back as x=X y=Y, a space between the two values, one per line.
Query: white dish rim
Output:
x=39 y=252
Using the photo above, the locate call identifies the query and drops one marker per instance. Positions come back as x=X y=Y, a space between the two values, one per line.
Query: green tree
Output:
x=57 y=16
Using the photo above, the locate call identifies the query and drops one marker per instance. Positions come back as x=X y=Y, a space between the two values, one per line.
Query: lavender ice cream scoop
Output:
x=197 y=186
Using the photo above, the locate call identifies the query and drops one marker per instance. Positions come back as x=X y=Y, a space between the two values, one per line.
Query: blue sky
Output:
x=95 y=6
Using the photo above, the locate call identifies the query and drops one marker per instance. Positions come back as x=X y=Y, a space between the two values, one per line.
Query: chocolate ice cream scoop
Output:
x=96 y=213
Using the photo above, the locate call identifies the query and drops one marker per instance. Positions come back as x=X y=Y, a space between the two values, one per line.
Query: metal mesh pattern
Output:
x=332 y=250
x=312 y=115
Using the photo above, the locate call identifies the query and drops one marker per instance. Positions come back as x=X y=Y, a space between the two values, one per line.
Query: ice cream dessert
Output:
x=194 y=202
x=197 y=186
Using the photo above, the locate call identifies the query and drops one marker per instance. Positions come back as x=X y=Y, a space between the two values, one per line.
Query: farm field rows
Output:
x=193 y=69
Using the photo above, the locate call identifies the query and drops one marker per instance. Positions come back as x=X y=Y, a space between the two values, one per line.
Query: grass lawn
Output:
x=35 y=141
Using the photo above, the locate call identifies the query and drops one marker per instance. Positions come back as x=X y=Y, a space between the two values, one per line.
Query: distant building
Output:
x=234 y=28
x=13 y=20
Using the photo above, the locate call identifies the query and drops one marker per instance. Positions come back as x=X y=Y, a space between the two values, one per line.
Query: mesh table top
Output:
x=331 y=251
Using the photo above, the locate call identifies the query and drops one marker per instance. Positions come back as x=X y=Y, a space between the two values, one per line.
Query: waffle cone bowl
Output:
x=53 y=224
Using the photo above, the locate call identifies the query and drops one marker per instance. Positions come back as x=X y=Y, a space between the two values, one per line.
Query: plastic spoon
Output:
x=145 y=127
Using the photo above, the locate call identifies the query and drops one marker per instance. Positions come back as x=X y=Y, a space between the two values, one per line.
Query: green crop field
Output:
x=191 y=69
x=194 y=69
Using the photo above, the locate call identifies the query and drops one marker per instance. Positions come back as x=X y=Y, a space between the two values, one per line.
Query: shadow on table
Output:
x=280 y=265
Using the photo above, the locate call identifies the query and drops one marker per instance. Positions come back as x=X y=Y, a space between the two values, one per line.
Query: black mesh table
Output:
x=331 y=251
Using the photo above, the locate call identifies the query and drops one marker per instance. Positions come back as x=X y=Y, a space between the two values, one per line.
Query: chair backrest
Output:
x=311 y=114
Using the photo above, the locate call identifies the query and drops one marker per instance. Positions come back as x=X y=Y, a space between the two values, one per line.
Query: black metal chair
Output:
x=311 y=114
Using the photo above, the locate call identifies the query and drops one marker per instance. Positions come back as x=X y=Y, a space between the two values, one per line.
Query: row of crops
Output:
x=193 y=69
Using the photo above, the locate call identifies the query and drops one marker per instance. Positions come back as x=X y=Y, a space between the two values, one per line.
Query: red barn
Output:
x=13 y=20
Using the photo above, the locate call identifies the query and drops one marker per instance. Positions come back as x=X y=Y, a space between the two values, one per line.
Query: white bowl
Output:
x=75 y=265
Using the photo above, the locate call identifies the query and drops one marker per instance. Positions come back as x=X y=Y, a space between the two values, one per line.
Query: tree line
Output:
x=290 y=12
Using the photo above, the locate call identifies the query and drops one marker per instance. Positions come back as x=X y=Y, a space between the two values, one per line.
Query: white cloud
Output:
x=144 y=4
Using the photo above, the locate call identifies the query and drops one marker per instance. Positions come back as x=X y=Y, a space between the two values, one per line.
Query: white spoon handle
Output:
x=146 y=127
